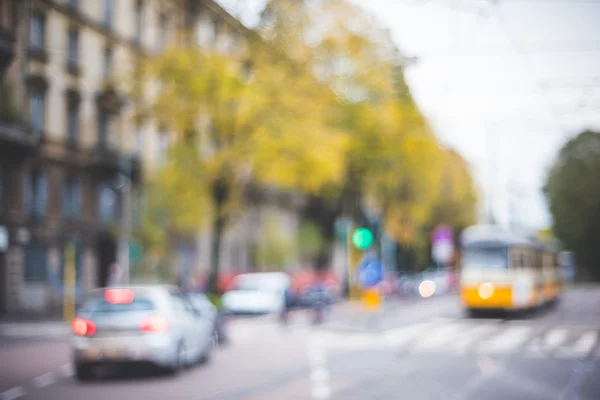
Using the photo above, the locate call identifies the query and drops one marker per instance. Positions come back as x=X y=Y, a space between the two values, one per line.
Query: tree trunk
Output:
x=220 y=194
x=215 y=253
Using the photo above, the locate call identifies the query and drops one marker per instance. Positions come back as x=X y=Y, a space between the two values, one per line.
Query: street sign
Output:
x=442 y=244
x=370 y=272
x=362 y=238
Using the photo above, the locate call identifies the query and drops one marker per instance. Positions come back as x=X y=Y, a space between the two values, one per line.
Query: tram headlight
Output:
x=485 y=290
x=427 y=288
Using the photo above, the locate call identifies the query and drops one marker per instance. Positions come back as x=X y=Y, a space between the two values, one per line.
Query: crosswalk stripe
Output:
x=582 y=347
x=469 y=336
x=442 y=335
x=401 y=336
x=555 y=337
x=505 y=340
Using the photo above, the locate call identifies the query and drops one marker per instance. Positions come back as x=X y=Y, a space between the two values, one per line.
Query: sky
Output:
x=504 y=82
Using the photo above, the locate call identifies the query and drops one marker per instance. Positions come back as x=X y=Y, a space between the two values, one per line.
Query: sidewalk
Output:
x=21 y=329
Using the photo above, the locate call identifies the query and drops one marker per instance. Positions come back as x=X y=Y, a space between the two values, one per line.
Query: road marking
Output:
x=469 y=336
x=555 y=337
x=44 y=380
x=13 y=393
x=67 y=370
x=583 y=346
x=506 y=340
x=439 y=336
x=321 y=392
x=319 y=374
x=401 y=336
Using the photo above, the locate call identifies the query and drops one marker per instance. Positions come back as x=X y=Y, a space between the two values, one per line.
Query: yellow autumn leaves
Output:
x=318 y=103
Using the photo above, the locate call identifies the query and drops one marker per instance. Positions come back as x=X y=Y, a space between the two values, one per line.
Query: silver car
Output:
x=145 y=324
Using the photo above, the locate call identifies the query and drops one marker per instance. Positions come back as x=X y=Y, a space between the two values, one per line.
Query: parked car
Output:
x=218 y=318
x=257 y=293
x=139 y=325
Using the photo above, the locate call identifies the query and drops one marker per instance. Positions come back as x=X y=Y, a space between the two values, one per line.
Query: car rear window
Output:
x=101 y=306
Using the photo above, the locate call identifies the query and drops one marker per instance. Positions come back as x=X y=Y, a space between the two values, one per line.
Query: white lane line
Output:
x=67 y=370
x=13 y=393
x=44 y=380
x=321 y=392
x=319 y=375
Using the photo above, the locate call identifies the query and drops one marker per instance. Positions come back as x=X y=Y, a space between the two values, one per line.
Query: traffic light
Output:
x=362 y=238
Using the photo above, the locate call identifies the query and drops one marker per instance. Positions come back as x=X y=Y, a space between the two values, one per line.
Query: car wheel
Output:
x=207 y=356
x=83 y=372
x=180 y=361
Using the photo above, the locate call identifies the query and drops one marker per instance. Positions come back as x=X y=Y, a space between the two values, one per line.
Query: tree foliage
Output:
x=235 y=120
x=573 y=192
x=318 y=105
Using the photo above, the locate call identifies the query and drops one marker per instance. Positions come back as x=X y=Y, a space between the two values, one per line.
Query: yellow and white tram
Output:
x=501 y=271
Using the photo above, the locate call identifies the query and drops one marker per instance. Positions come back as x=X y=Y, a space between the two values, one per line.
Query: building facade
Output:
x=67 y=139
x=71 y=152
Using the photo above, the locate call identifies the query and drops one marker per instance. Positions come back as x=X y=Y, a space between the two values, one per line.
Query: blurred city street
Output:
x=421 y=349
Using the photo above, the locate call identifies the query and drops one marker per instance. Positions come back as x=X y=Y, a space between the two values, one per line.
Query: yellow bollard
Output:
x=69 y=283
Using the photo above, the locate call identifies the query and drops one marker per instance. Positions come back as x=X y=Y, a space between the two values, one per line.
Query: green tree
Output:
x=573 y=192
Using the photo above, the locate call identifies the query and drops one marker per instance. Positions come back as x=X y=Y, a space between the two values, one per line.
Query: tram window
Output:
x=485 y=257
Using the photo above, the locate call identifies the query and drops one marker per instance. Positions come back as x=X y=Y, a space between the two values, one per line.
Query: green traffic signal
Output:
x=362 y=238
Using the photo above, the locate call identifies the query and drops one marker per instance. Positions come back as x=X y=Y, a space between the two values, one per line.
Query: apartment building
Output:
x=69 y=144
x=67 y=138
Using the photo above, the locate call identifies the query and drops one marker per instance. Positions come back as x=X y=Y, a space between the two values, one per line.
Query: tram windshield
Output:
x=485 y=258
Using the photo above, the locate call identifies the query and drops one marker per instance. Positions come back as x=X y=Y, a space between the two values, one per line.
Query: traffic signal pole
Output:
x=353 y=257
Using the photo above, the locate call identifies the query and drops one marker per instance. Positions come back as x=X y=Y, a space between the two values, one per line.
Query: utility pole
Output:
x=491 y=167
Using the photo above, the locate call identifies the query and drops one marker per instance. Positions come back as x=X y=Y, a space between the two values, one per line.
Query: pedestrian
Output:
x=287 y=303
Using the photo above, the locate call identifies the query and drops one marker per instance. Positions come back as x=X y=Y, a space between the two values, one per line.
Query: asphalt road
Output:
x=417 y=350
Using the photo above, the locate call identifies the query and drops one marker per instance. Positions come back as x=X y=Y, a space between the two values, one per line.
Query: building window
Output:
x=103 y=127
x=139 y=20
x=73 y=50
x=36 y=262
x=36 y=193
x=37 y=109
x=72 y=198
x=36 y=31
x=108 y=13
x=107 y=203
x=72 y=122
x=108 y=62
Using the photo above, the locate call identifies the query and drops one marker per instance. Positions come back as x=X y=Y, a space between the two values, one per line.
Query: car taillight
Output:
x=82 y=327
x=155 y=324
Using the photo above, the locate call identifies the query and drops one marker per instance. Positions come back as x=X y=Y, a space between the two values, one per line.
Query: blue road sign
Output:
x=370 y=272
